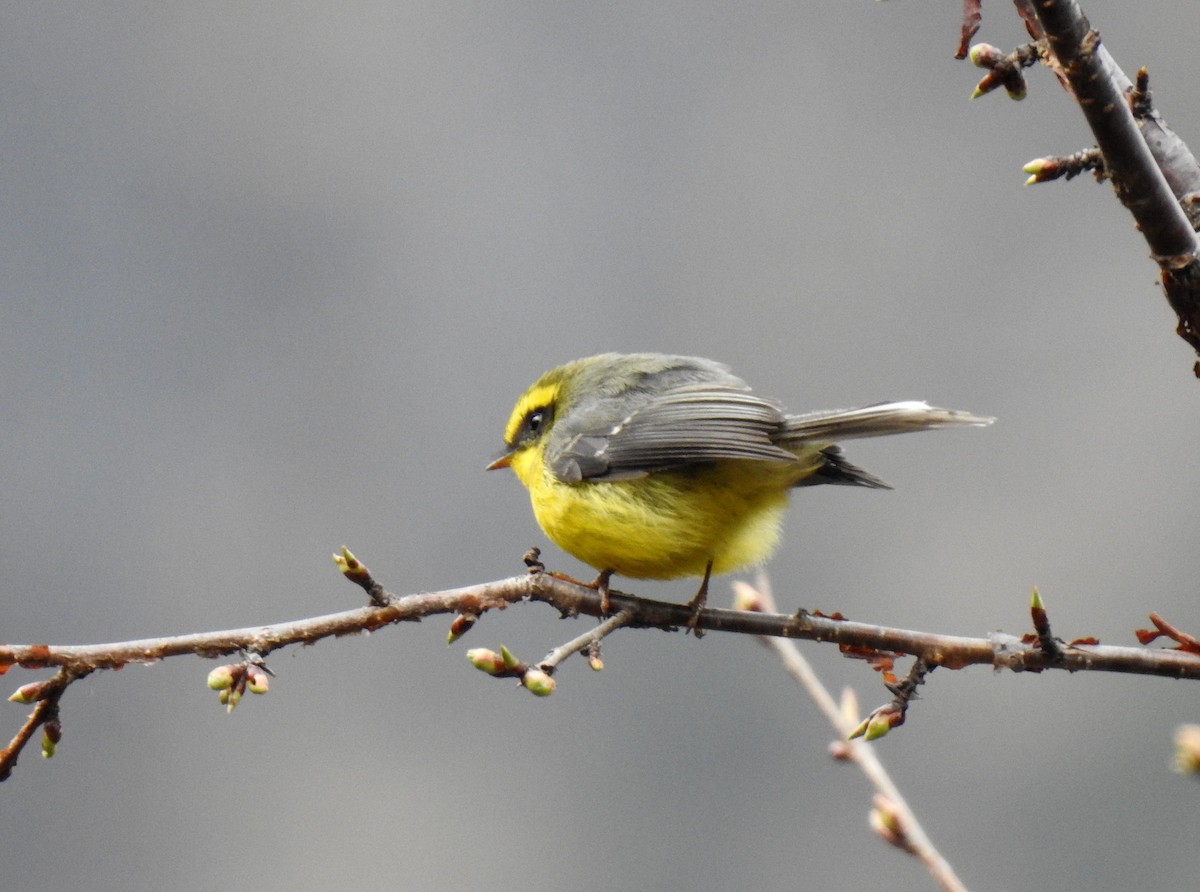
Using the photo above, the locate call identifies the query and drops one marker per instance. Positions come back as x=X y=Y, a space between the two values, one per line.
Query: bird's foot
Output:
x=697 y=603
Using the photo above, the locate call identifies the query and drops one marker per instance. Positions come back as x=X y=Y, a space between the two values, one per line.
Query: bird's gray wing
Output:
x=685 y=425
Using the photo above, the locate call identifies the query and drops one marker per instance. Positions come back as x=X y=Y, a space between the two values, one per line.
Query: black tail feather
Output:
x=835 y=469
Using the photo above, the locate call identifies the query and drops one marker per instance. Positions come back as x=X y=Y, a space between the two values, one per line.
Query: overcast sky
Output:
x=272 y=277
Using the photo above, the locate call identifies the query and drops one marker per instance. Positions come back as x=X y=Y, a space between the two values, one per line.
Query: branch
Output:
x=1102 y=90
x=1153 y=172
x=571 y=598
x=46 y=695
x=891 y=816
x=1033 y=653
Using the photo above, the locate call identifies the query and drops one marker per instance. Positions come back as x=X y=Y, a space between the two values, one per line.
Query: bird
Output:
x=655 y=466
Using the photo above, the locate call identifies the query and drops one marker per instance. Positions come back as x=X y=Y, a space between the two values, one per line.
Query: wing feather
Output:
x=687 y=424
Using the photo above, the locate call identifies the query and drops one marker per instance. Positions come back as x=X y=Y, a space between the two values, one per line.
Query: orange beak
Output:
x=502 y=462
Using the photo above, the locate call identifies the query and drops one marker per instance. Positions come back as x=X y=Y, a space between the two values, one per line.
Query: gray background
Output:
x=273 y=275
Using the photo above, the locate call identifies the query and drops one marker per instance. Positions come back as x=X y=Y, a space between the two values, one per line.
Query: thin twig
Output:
x=45 y=710
x=549 y=662
x=912 y=837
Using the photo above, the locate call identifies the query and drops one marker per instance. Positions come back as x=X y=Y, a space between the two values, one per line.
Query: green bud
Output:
x=51 y=735
x=257 y=680
x=1187 y=749
x=221 y=678
x=877 y=726
x=485 y=660
x=27 y=693
x=460 y=626
x=539 y=683
x=984 y=55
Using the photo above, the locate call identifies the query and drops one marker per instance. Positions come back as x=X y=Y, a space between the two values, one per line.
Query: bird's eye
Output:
x=535 y=423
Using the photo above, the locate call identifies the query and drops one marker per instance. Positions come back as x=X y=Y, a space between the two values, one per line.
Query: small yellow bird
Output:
x=657 y=467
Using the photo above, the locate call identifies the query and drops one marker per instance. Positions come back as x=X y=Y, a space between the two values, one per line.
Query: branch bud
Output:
x=28 y=693
x=230 y=698
x=879 y=722
x=887 y=824
x=746 y=597
x=461 y=625
x=539 y=682
x=350 y=566
x=51 y=735
x=1187 y=749
x=222 y=677
x=257 y=680
x=1039 y=168
x=486 y=660
x=1035 y=600
x=984 y=55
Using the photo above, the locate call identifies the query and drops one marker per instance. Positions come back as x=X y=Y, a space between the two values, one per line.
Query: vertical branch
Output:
x=1100 y=87
x=900 y=824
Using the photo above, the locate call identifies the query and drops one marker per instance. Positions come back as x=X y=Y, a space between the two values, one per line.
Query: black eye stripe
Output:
x=535 y=423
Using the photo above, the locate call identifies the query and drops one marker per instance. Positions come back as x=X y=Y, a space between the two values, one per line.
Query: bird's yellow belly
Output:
x=668 y=524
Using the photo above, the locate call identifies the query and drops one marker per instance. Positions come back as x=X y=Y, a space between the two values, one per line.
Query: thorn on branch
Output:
x=1003 y=70
x=1043 y=170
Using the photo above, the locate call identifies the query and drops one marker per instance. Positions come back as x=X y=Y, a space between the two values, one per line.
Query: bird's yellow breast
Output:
x=666 y=524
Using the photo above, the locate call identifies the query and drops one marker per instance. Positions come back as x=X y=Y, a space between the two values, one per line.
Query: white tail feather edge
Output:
x=880 y=420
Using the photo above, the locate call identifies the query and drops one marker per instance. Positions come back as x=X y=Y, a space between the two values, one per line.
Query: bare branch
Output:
x=586 y=641
x=44 y=715
x=892 y=816
x=570 y=598
x=573 y=599
x=1154 y=173
x=1101 y=89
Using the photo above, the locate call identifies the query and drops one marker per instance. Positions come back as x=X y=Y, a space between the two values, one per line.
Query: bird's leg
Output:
x=601 y=586
x=697 y=603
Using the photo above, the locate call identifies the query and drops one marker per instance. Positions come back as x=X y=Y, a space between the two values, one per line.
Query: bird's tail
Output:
x=879 y=420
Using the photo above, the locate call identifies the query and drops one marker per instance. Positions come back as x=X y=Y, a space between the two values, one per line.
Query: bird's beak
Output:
x=502 y=462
